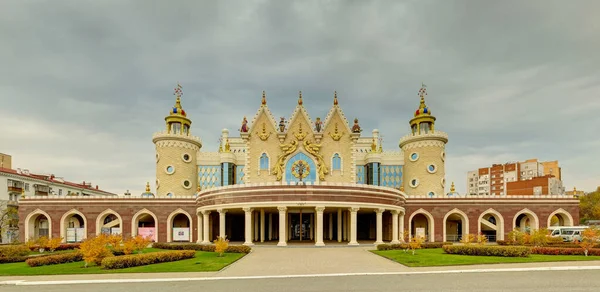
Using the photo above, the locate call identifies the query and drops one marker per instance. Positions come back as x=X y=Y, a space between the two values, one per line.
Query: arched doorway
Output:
x=491 y=224
x=38 y=224
x=526 y=221
x=179 y=223
x=560 y=217
x=109 y=222
x=73 y=227
x=144 y=223
x=421 y=224
x=456 y=226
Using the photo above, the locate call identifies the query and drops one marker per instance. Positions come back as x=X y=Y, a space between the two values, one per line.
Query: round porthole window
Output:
x=443 y=182
x=170 y=169
x=443 y=155
x=431 y=194
x=414 y=182
x=186 y=157
x=414 y=156
x=157 y=157
x=157 y=183
x=170 y=195
x=431 y=168
x=187 y=184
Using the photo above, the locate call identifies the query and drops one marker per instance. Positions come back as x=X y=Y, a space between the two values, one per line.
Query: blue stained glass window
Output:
x=170 y=169
x=337 y=162
x=414 y=156
x=264 y=162
x=431 y=167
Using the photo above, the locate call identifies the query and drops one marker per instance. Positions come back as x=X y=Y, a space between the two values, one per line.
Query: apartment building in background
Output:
x=530 y=177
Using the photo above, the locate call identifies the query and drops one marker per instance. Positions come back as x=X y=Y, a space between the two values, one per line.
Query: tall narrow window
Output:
x=337 y=162
x=264 y=162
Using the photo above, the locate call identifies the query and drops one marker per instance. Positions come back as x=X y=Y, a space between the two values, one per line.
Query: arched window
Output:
x=337 y=162
x=264 y=162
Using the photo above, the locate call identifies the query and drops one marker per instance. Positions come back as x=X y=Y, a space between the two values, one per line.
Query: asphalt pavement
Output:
x=530 y=281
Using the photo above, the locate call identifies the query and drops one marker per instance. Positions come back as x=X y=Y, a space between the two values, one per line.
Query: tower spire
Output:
x=178 y=93
x=264 y=98
x=422 y=94
x=300 y=98
x=335 y=100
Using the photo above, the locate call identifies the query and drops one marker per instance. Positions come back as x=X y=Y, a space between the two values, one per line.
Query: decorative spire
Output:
x=264 y=98
x=147 y=187
x=452 y=189
x=422 y=94
x=178 y=93
x=198 y=189
x=300 y=98
x=335 y=101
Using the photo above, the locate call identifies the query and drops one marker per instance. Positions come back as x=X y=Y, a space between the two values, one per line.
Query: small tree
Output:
x=481 y=239
x=94 y=250
x=221 y=245
x=415 y=243
x=516 y=236
x=141 y=242
x=539 y=237
x=53 y=243
x=589 y=238
x=470 y=238
x=41 y=243
x=115 y=241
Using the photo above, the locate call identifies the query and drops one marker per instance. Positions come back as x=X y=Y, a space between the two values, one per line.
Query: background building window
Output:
x=264 y=162
x=337 y=162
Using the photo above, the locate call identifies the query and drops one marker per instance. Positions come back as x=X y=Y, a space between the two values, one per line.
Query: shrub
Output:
x=53 y=244
x=54 y=259
x=16 y=259
x=564 y=251
x=10 y=251
x=470 y=238
x=128 y=261
x=42 y=243
x=114 y=241
x=478 y=250
x=481 y=239
x=589 y=238
x=95 y=249
x=415 y=243
x=395 y=246
x=221 y=244
x=539 y=237
x=201 y=247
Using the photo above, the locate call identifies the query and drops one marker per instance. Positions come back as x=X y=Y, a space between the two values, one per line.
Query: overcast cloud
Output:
x=85 y=84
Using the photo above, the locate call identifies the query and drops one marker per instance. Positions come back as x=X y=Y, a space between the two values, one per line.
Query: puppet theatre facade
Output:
x=297 y=180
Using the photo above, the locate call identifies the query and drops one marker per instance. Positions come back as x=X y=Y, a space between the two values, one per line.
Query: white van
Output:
x=568 y=233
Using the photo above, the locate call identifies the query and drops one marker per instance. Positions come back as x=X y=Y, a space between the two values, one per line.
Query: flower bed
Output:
x=387 y=246
x=564 y=251
x=201 y=247
x=482 y=250
x=54 y=259
x=128 y=261
x=549 y=244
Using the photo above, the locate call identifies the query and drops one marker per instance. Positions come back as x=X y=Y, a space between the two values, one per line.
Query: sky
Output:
x=85 y=84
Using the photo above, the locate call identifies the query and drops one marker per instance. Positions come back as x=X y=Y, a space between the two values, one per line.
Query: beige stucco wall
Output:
x=430 y=152
x=170 y=153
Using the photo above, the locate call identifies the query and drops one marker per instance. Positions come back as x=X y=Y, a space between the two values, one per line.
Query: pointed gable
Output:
x=336 y=111
x=263 y=110
x=300 y=111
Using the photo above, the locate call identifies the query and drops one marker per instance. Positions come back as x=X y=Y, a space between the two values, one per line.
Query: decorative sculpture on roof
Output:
x=318 y=125
x=227 y=146
x=336 y=136
x=263 y=135
x=282 y=124
x=373 y=146
x=244 y=128
x=356 y=128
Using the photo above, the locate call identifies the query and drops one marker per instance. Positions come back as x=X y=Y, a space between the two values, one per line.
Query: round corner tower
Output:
x=176 y=151
x=424 y=154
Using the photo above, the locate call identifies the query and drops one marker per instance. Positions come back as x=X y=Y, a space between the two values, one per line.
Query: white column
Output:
x=330 y=227
x=248 y=226
x=319 y=240
x=256 y=228
x=282 y=226
x=339 y=225
x=379 y=213
x=345 y=226
x=395 y=226
x=270 y=226
x=353 y=221
x=205 y=221
x=402 y=226
x=199 y=226
x=222 y=213
x=262 y=225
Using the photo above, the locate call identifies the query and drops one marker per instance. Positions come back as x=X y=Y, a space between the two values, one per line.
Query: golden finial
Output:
x=300 y=98
x=178 y=93
x=147 y=187
x=373 y=146
x=335 y=101
x=198 y=189
x=264 y=98
x=422 y=94
x=452 y=189
x=300 y=135
x=227 y=146
x=336 y=135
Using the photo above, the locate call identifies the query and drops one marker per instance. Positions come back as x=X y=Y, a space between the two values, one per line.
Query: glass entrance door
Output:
x=300 y=226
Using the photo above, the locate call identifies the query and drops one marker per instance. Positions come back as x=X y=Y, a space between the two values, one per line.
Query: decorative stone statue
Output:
x=318 y=125
x=282 y=125
x=244 y=128
x=356 y=128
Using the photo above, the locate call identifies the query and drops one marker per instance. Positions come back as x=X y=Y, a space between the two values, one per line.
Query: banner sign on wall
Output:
x=147 y=232
x=181 y=234
x=115 y=230
x=420 y=232
x=75 y=234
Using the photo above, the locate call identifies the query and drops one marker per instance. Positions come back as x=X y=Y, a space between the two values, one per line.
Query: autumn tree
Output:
x=9 y=218
x=95 y=249
x=589 y=206
x=589 y=238
x=415 y=243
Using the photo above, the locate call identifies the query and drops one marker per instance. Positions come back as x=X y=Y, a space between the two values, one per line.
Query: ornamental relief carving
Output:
x=420 y=144
x=177 y=144
x=312 y=148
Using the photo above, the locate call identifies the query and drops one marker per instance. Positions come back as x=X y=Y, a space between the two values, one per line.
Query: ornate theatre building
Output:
x=281 y=181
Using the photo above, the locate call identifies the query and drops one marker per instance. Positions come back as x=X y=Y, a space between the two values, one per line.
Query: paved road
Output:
x=546 y=281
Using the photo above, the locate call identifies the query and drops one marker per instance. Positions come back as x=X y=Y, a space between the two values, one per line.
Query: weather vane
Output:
x=178 y=92
x=423 y=90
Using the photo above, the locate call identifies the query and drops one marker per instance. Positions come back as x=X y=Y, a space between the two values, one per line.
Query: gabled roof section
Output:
x=264 y=109
x=336 y=108
x=300 y=110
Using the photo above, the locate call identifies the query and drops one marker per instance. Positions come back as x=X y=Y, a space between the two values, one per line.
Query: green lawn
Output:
x=203 y=262
x=437 y=257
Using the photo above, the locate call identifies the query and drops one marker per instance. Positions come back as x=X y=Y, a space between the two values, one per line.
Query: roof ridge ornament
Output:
x=264 y=98
x=300 y=98
x=335 y=100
